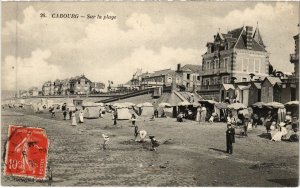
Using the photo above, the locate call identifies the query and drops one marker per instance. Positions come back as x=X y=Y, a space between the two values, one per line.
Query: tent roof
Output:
x=187 y=95
x=273 y=80
x=228 y=86
x=257 y=85
x=172 y=98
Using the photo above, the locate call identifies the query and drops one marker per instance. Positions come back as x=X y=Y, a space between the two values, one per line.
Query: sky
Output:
x=147 y=35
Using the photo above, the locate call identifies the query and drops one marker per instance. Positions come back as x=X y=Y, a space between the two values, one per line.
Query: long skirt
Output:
x=203 y=116
x=81 y=119
x=198 y=116
x=74 y=123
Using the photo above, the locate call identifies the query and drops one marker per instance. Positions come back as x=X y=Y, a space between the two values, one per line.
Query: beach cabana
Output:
x=123 y=113
x=293 y=107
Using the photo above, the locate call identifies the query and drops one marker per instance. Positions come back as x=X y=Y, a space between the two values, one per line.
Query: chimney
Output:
x=178 y=67
x=249 y=38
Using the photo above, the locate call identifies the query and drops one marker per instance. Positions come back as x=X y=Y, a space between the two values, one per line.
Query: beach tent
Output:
x=91 y=112
x=123 y=113
x=28 y=107
x=147 y=111
x=293 y=106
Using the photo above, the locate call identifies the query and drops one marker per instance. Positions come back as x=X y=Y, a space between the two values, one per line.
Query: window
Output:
x=207 y=64
x=245 y=65
x=226 y=65
x=217 y=63
x=198 y=78
x=225 y=80
x=216 y=81
x=257 y=65
x=244 y=79
x=188 y=76
x=206 y=81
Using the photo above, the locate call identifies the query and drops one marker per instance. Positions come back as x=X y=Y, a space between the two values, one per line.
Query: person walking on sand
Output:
x=81 y=116
x=230 y=138
x=133 y=119
x=74 y=122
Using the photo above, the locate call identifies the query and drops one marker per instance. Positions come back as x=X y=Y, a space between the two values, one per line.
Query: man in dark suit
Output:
x=229 y=138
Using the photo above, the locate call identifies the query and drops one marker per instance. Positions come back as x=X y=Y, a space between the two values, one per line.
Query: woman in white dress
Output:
x=74 y=122
x=198 y=114
x=81 y=116
x=203 y=113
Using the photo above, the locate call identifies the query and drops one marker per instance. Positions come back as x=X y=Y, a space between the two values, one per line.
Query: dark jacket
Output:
x=230 y=135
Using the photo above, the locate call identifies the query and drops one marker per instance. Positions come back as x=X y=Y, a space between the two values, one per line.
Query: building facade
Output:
x=233 y=57
x=294 y=58
x=48 y=88
x=34 y=91
x=189 y=77
x=97 y=87
x=158 y=79
x=80 y=85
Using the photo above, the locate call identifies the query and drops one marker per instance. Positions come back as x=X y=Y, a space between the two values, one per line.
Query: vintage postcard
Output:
x=162 y=94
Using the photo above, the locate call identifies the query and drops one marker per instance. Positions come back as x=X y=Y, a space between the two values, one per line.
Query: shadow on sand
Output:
x=218 y=150
x=265 y=135
x=289 y=182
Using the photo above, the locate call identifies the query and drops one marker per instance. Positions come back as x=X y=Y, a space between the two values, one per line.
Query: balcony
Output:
x=210 y=87
x=294 y=58
x=216 y=71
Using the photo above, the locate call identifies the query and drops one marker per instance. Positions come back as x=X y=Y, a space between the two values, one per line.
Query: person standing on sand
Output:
x=115 y=116
x=203 y=113
x=136 y=132
x=65 y=114
x=81 y=116
x=70 y=114
x=74 y=122
x=230 y=138
x=198 y=115
x=133 y=119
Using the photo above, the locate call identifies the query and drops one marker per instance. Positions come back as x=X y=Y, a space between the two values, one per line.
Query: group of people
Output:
x=200 y=115
x=284 y=130
x=71 y=115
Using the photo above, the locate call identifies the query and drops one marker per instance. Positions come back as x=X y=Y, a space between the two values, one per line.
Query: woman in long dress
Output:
x=203 y=113
x=198 y=115
x=81 y=117
x=74 y=122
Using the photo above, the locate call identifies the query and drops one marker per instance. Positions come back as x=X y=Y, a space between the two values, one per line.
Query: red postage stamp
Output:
x=26 y=152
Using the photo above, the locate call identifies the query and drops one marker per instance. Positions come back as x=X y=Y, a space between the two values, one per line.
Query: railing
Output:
x=210 y=87
x=294 y=57
x=216 y=71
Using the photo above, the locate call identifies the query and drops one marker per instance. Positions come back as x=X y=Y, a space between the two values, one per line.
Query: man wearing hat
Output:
x=229 y=138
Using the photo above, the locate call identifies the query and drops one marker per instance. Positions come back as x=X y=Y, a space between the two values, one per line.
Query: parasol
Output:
x=274 y=105
x=292 y=103
x=184 y=103
x=236 y=106
x=258 y=104
x=221 y=105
